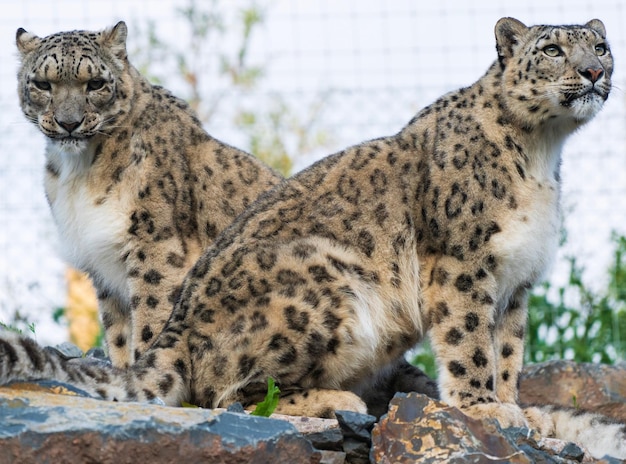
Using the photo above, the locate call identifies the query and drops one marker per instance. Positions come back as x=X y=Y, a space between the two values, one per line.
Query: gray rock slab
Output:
x=49 y=428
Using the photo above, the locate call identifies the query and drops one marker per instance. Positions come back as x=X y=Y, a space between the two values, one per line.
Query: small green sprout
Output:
x=266 y=407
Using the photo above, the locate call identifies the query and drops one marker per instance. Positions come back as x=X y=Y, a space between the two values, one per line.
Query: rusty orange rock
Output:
x=593 y=387
x=420 y=430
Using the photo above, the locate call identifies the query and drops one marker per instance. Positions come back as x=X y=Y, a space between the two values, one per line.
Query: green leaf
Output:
x=266 y=407
x=58 y=314
x=425 y=359
x=10 y=328
x=184 y=404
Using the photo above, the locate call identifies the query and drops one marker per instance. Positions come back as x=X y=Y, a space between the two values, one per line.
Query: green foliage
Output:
x=99 y=341
x=582 y=324
x=14 y=328
x=242 y=74
x=58 y=315
x=425 y=359
x=266 y=407
x=184 y=404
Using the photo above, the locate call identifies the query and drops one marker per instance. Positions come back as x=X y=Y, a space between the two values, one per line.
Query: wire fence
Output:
x=343 y=70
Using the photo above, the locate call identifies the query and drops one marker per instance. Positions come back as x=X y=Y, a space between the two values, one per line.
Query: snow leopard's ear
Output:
x=26 y=42
x=508 y=33
x=114 y=39
x=598 y=26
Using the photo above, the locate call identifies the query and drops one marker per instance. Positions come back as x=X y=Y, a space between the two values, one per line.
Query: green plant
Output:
x=14 y=328
x=184 y=404
x=59 y=315
x=266 y=407
x=263 y=409
x=424 y=358
x=578 y=322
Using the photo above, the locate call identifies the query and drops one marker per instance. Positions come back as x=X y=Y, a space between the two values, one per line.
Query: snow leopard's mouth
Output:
x=69 y=138
x=71 y=141
x=591 y=93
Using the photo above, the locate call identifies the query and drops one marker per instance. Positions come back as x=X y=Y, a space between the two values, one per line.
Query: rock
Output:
x=329 y=439
x=324 y=434
x=356 y=452
x=236 y=407
x=541 y=449
x=46 y=386
x=572 y=451
x=397 y=377
x=36 y=426
x=565 y=450
x=332 y=457
x=594 y=387
x=67 y=350
x=91 y=361
x=609 y=460
x=308 y=425
x=355 y=425
x=43 y=427
x=357 y=435
x=418 y=429
x=97 y=353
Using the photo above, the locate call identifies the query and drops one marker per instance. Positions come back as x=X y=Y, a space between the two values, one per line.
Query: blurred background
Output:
x=293 y=80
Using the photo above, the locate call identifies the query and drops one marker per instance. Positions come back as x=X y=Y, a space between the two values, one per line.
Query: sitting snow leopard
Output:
x=440 y=229
x=136 y=186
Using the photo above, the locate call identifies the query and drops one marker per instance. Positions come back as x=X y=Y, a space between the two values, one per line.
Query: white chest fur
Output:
x=90 y=234
x=529 y=239
x=528 y=243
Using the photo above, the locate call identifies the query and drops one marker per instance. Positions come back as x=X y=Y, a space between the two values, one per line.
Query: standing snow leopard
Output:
x=441 y=229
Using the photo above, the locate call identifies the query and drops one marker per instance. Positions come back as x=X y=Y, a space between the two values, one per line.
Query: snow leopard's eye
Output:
x=552 y=51
x=42 y=85
x=95 y=84
x=601 y=49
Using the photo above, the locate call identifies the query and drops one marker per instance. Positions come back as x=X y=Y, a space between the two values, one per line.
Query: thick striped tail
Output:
x=599 y=434
x=21 y=358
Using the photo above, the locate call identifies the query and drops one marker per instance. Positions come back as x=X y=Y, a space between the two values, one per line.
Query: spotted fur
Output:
x=332 y=275
x=136 y=186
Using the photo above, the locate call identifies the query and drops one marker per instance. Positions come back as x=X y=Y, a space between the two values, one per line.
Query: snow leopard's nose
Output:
x=593 y=74
x=68 y=126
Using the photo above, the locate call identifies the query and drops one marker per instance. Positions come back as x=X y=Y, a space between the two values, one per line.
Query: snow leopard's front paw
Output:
x=540 y=420
x=317 y=402
x=507 y=414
